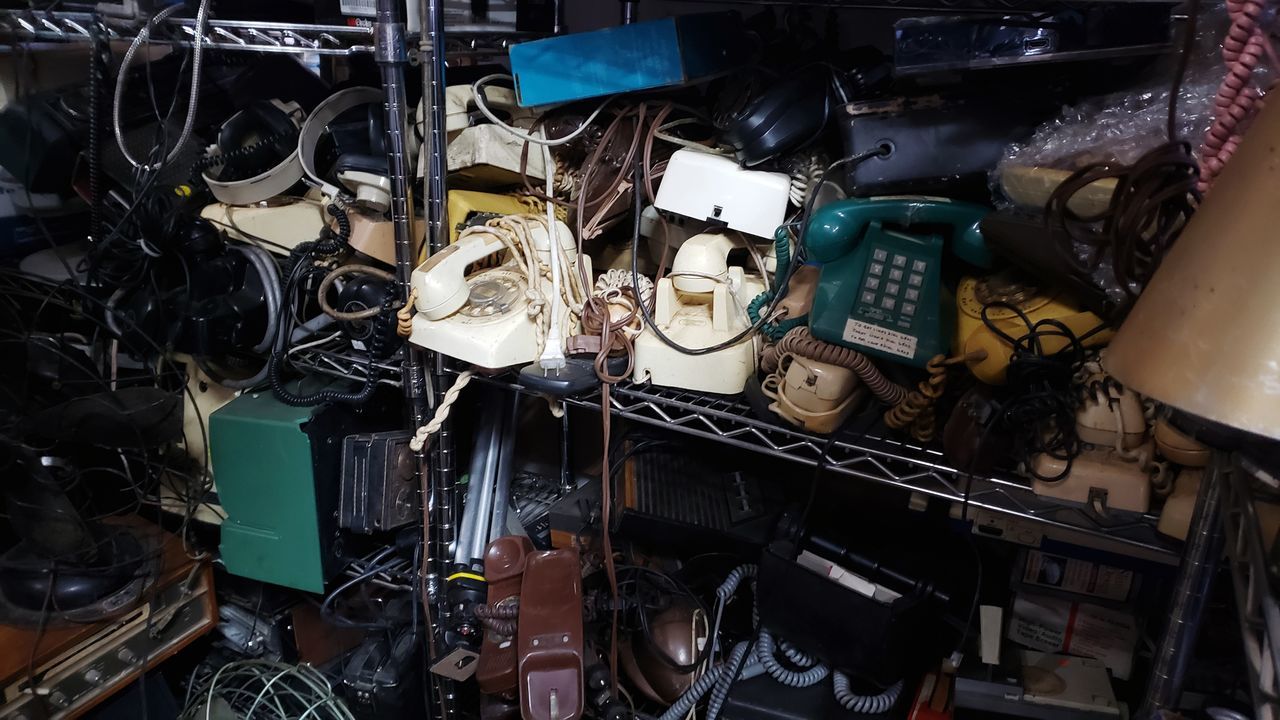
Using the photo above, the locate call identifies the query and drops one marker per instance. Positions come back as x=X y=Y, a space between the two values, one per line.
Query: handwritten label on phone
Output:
x=880 y=338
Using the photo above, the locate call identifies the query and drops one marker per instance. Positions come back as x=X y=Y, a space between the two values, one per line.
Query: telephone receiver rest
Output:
x=837 y=227
x=441 y=280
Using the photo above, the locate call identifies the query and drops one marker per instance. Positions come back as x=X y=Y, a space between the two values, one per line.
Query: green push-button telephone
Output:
x=880 y=290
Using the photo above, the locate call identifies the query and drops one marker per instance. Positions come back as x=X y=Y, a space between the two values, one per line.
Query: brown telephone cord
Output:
x=917 y=412
x=327 y=284
x=404 y=316
x=799 y=341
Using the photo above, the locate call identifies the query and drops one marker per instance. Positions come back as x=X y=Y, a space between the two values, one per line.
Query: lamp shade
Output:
x=1204 y=337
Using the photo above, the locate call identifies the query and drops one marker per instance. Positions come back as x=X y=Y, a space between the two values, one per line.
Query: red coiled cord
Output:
x=1242 y=51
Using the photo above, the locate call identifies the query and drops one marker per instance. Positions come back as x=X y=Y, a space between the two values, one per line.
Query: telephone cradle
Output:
x=701 y=303
x=880 y=291
x=483 y=318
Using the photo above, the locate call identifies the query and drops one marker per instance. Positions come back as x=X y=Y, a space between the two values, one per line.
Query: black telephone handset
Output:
x=255 y=139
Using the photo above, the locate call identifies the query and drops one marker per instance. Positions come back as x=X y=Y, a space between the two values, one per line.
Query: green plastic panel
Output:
x=262 y=460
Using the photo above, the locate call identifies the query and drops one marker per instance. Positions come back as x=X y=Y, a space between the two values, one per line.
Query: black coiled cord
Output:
x=339 y=216
x=377 y=342
x=243 y=162
x=1040 y=414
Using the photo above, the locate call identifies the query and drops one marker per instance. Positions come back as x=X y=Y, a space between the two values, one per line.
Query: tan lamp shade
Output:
x=1205 y=335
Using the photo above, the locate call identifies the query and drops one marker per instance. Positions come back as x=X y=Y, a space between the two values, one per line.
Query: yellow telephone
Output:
x=463 y=204
x=972 y=335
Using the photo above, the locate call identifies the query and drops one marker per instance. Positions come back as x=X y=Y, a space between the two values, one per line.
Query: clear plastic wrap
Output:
x=1119 y=127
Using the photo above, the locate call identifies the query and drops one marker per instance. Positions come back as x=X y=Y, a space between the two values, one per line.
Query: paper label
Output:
x=358 y=7
x=880 y=338
x=1056 y=625
x=1077 y=576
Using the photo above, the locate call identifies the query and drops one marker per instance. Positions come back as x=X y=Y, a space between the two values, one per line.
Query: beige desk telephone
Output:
x=702 y=302
x=1117 y=469
x=495 y=317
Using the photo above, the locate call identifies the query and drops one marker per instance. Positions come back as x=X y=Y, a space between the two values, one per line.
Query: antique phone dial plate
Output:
x=494 y=295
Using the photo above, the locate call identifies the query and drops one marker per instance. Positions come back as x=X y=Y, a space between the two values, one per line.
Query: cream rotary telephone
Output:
x=498 y=316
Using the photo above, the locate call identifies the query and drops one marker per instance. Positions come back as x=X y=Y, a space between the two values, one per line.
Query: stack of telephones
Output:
x=893 y=295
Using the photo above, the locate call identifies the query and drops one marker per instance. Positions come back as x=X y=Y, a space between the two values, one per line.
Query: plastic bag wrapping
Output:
x=1118 y=127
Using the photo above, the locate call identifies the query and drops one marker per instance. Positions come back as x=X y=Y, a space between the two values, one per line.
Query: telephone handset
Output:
x=485 y=317
x=880 y=290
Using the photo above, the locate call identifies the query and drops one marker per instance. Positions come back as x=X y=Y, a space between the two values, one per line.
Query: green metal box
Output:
x=277 y=472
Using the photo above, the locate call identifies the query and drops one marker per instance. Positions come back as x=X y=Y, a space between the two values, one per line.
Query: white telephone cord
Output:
x=514 y=232
x=419 y=439
x=551 y=356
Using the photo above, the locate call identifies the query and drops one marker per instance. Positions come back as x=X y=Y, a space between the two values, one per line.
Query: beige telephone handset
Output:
x=486 y=318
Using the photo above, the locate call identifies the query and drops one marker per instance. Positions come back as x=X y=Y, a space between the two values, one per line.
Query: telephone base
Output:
x=507 y=342
x=694 y=325
x=1175 y=517
x=287 y=224
x=724 y=372
x=1099 y=478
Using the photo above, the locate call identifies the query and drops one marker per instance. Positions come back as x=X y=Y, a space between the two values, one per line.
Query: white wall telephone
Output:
x=490 y=317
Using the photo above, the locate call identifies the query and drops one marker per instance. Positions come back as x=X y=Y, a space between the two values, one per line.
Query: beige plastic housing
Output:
x=287 y=223
x=813 y=395
x=1179 y=448
x=701 y=319
x=1175 y=517
x=1100 y=478
x=1113 y=410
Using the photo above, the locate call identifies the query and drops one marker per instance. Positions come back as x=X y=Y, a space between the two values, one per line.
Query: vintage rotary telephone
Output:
x=485 y=317
x=974 y=339
x=702 y=302
x=881 y=289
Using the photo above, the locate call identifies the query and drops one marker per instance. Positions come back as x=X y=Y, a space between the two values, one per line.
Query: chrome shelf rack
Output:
x=241 y=35
x=1002 y=504
x=337 y=358
x=1256 y=600
x=989 y=6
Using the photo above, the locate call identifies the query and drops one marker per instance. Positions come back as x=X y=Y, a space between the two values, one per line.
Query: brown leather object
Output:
x=672 y=631
x=549 y=637
x=504 y=565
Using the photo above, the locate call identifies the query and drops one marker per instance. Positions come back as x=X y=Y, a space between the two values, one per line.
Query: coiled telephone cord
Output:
x=501 y=619
x=799 y=341
x=917 y=412
x=1242 y=50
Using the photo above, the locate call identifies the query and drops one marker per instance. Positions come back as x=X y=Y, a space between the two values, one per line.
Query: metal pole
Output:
x=444 y=473
x=1190 y=593
x=392 y=58
x=506 y=467
x=443 y=510
x=473 y=531
x=630 y=11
